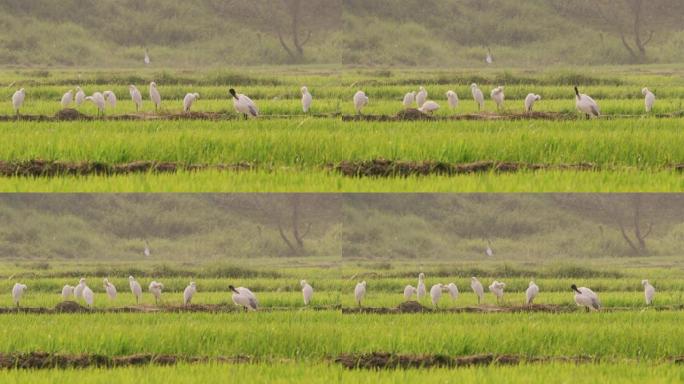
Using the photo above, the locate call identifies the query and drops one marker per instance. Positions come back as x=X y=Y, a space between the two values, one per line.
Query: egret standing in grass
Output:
x=360 y=292
x=429 y=107
x=360 y=101
x=136 y=96
x=530 y=100
x=585 y=297
x=244 y=104
x=421 y=97
x=155 y=289
x=307 y=99
x=147 y=252
x=649 y=99
x=18 y=100
x=110 y=98
x=477 y=288
x=497 y=288
x=136 y=289
x=586 y=104
x=67 y=292
x=189 y=99
x=98 y=99
x=478 y=96
x=67 y=99
x=155 y=96
x=453 y=291
x=307 y=291
x=409 y=291
x=147 y=57
x=531 y=293
x=409 y=99
x=80 y=96
x=498 y=97
x=88 y=296
x=189 y=292
x=422 y=291
x=78 y=291
x=17 y=292
x=489 y=59
x=649 y=291
x=452 y=98
x=244 y=297
x=436 y=294
x=488 y=251
x=110 y=289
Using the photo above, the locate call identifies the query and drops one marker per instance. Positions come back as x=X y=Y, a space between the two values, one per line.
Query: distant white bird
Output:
x=244 y=104
x=307 y=99
x=189 y=99
x=649 y=291
x=530 y=100
x=586 y=104
x=110 y=289
x=429 y=107
x=585 y=297
x=136 y=289
x=489 y=59
x=110 y=98
x=452 y=98
x=18 y=100
x=477 y=288
x=189 y=292
x=17 y=292
x=498 y=96
x=360 y=101
x=531 y=293
x=478 y=96
x=147 y=57
x=649 y=99
x=244 y=297
x=155 y=289
x=80 y=96
x=436 y=294
x=67 y=292
x=453 y=291
x=421 y=97
x=78 y=291
x=67 y=98
x=147 y=252
x=421 y=291
x=88 y=296
x=155 y=96
x=360 y=292
x=489 y=251
x=98 y=99
x=409 y=291
x=497 y=288
x=136 y=96
x=307 y=291
x=409 y=99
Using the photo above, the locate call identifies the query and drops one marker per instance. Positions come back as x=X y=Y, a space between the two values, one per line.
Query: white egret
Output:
x=147 y=252
x=478 y=96
x=67 y=98
x=421 y=97
x=136 y=96
x=489 y=251
x=307 y=291
x=80 y=96
x=136 y=289
x=67 y=292
x=155 y=289
x=497 y=288
x=110 y=98
x=585 y=297
x=409 y=99
x=421 y=291
x=110 y=289
x=88 y=296
x=452 y=98
x=17 y=292
x=307 y=99
x=477 y=288
x=189 y=292
x=98 y=99
x=436 y=294
x=78 y=291
x=155 y=96
x=409 y=291
x=147 y=57
x=360 y=292
x=586 y=104
x=18 y=100
x=531 y=292
x=453 y=291
x=489 y=59
x=649 y=99
x=244 y=104
x=429 y=107
x=530 y=100
x=498 y=96
x=244 y=297
x=649 y=291
x=189 y=99
x=360 y=101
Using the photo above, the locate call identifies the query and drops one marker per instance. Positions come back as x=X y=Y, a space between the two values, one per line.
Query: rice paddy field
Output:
x=328 y=150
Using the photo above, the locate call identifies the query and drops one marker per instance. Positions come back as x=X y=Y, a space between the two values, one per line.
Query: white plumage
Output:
x=436 y=294
x=360 y=101
x=452 y=99
x=421 y=97
x=245 y=298
x=498 y=96
x=244 y=104
x=497 y=288
x=80 y=96
x=586 y=104
x=110 y=289
x=98 y=99
x=453 y=291
x=649 y=292
x=530 y=100
x=307 y=99
x=531 y=293
x=78 y=291
x=477 y=288
x=422 y=290
x=18 y=291
x=136 y=289
x=110 y=98
x=409 y=291
x=155 y=96
x=360 y=292
x=307 y=291
x=649 y=99
x=147 y=58
x=189 y=292
x=67 y=292
x=67 y=98
x=478 y=96
x=18 y=100
x=155 y=289
x=136 y=96
x=189 y=99
x=409 y=99
x=88 y=296
x=585 y=297
x=429 y=107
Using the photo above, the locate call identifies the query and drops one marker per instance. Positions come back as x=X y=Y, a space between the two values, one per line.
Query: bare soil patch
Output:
x=44 y=360
x=45 y=168
x=416 y=307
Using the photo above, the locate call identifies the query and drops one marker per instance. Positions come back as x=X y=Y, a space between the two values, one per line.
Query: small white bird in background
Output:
x=136 y=96
x=409 y=99
x=585 y=297
x=489 y=59
x=530 y=100
x=189 y=99
x=478 y=96
x=78 y=291
x=80 y=96
x=453 y=291
x=307 y=99
x=477 y=288
x=360 y=292
x=531 y=293
x=88 y=296
x=155 y=289
x=155 y=96
x=422 y=290
x=498 y=97
x=67 y=292
x=452 y=98
x=436 y=294
x=586 y=104
x=421 y=97
x=409 y=291
x=110 y=98
x=67 y=98
x=360 y=101
x=98 y=99
x=307 y=291
x=497 y=288
x=147 y=252
x=244 y=297
x=109 y=288
x=147 y=57
x=244 y=104
x=18 y=100
x=489 y=251
x=649 y=100
x=649 y=291
x=189 y=292
x=17 y=292
x=429 y=107
x=136 y=289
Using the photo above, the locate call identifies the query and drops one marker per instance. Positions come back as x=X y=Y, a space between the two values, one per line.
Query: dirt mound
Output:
x=415 y=307
x=44 y=360
x=70 y=307
x=412 y=307
x=69 y=114
x=416 y=115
